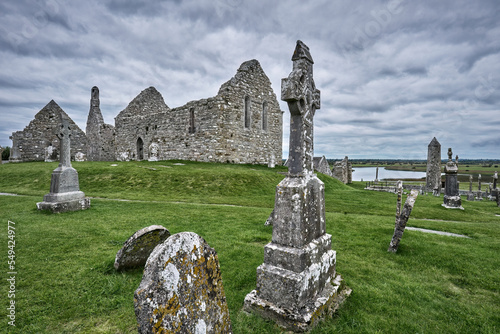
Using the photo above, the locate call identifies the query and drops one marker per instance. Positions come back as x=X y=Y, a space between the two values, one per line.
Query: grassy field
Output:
x=66 y=282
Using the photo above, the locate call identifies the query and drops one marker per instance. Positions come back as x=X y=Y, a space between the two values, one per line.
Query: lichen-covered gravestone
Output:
x=138 y=247
x=181 y=290
x=65 y=194
x=297 y=283
x=402 y=216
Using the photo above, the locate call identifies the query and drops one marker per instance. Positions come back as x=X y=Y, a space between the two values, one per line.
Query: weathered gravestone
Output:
x=297 y=283
x=376 y=175
x=470 y=194
x=479 y=192
x=181 y=290
x=65 y=194
x=138 y=247
x=433 y=172
x=402 y=216
x=452 y=198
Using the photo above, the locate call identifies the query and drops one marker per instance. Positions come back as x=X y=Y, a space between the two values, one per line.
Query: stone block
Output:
x=181 y=290
x=138 y=247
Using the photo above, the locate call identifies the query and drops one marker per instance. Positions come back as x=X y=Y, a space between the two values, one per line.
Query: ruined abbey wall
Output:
x=38 y=140
x=241 y=124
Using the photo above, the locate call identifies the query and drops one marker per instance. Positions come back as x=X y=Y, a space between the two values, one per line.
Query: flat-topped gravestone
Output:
x=65 y=194
x=297 y=284
x=138 y=247
x=181 y=290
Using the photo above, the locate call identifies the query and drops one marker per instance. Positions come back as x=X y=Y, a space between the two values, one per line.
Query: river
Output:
x=368 y=174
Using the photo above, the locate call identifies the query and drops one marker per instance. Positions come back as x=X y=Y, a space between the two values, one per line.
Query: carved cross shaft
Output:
x=64 y=135
x=302 y=97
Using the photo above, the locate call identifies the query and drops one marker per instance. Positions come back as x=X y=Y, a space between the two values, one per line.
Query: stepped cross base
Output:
x=452 y=202
x=325 y=304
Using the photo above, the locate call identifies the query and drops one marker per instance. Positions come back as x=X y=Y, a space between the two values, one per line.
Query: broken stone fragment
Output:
x=138 y=247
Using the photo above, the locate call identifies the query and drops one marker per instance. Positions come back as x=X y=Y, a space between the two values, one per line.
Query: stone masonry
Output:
x=100 y=136
x=297 y=283
x=242 y=124
x=433 y=174
x=38 y=141
x=342 y=170
x=321 y=165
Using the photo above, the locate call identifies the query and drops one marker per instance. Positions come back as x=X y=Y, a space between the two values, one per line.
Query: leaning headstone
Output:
x=376 y=175
x=181 y=290
x=470 y=194
x=402 y=217
x=433 y=172
x=138 y=247
x=65 y=194
x=452 y=198
x=297 y=284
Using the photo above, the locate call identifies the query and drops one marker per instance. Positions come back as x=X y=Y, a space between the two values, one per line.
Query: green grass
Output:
x=66 y=282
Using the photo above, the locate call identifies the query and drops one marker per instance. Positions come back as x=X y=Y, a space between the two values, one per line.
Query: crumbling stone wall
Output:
x=343 y=170
x=321 y=165
x=241 y=124
x=38 y=140
x=100 y=136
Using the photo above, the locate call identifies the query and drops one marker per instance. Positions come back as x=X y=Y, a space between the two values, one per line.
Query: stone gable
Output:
x=38 y=140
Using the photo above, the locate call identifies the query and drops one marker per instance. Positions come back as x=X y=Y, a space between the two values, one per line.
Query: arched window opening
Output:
x=247 y=111
x=192 y=128
x=264 y=116
x=140 y=149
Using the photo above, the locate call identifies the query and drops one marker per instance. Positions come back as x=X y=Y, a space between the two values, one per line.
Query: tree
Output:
x=6 y=153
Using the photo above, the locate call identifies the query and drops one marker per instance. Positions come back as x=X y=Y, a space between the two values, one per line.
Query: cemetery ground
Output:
x=66 y=282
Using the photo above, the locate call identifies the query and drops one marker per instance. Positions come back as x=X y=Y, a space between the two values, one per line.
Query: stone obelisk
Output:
x=433 y=172
x=297 y=282
x=65 y=194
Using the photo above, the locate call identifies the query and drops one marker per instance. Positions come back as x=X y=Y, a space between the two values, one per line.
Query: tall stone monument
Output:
x=433 y=173
x=452 y=198
x=65 y=194
x=479 y=191
x=470 y=194
x=297 y=282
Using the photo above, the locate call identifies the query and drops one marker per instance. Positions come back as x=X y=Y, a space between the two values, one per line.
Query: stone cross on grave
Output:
x=302 y=97
x=64 y=135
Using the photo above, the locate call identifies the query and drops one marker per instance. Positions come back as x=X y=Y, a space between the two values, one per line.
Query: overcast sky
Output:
x=392 y=74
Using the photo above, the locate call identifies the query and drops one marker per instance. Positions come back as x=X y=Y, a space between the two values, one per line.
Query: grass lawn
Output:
x=66 y=282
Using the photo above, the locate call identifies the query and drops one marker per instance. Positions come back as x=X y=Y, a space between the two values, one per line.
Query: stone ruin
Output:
x=39 y=142
x=297 y=284
x=138 y=247
x=65 y=194
x=342 y=170
x=241 y=124
x=181 y=290
x=100 y=136
x=402 y=216
x=452 y=198
x=433 y=172
x=321 y=165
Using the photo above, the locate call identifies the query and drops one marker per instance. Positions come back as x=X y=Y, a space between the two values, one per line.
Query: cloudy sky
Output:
x=392 y=74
